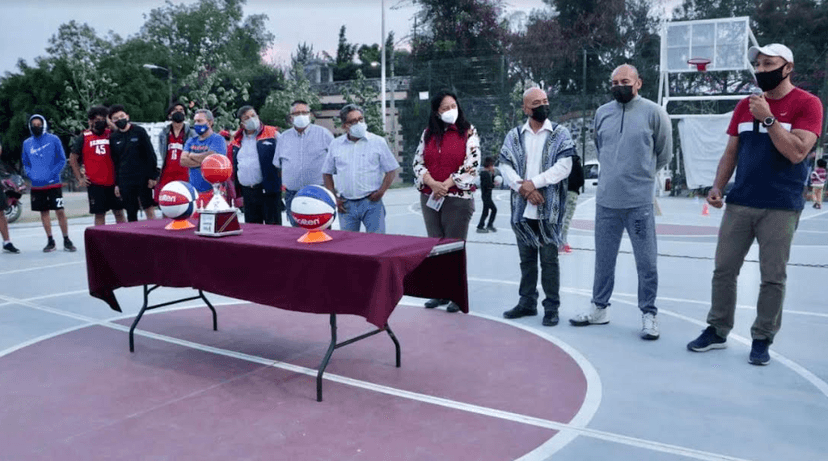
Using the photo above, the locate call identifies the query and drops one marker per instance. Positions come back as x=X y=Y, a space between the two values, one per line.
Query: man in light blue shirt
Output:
x=300 y=153
x=365 y=168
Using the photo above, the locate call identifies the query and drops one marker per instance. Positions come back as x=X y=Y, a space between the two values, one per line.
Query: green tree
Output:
x=362 y=93
x=216 y=89
x=81 y=51
x=276 y=109
x=344 y=65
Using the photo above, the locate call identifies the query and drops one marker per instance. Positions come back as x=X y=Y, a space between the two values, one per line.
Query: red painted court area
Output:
x=82 y=395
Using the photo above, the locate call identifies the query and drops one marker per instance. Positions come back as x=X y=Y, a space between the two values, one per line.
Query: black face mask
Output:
x=622 y=93
x=768 y=81
x=37 y=130
x=122 y=123
x=177 y=117
x=99 y=126
x=540 y=113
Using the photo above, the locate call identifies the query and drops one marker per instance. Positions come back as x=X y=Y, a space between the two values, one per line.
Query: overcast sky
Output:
x=28 y=24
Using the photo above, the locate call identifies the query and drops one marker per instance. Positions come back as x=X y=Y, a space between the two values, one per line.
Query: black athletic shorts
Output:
x=103 y=199
x=137 y=197
x=3 y=201
x=47 y=199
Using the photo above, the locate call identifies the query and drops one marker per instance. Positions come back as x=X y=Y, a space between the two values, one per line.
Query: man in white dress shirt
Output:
x=535 y=162
x=365 y=168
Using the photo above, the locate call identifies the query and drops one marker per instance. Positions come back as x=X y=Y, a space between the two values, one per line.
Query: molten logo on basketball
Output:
x=176 y=200
x=313 y=208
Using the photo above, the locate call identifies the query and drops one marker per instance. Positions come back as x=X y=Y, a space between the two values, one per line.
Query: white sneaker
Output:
x=595 y=316
x=649 y=330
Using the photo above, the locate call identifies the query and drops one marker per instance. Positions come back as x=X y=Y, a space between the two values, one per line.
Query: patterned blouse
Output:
x=465 y=174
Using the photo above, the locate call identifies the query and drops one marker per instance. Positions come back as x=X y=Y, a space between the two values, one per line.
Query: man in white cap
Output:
x=771 y=134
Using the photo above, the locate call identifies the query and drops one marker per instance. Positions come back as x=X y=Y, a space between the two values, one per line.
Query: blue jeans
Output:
x=609 y=227
x=363 y=211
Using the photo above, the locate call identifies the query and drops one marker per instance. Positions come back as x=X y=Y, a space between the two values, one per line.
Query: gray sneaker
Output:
x=649 y=330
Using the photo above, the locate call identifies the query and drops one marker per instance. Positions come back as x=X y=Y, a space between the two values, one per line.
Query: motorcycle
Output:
x=14 y=187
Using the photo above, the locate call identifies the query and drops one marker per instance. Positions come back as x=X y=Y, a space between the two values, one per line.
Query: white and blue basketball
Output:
x=177 y=200
x=313 y=208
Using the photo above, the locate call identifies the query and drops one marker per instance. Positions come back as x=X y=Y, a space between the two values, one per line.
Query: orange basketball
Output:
x=216 y=168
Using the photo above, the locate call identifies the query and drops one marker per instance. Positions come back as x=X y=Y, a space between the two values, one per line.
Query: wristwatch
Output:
x=768 y=121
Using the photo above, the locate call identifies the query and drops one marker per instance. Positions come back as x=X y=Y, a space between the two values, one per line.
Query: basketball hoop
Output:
x=700 y=63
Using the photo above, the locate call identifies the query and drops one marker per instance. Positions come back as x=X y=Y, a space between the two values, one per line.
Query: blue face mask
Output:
x=201 y=129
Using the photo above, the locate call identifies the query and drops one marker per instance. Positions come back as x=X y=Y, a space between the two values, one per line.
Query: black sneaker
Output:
x=550 y=319
x=759 y=354
x=432 y=303
x=491 y=229
x=9 y=248
x=50 y=246
x=452 y=307
x=706 y=341
x=482 y=230
x=519 y=311
x=67 y=245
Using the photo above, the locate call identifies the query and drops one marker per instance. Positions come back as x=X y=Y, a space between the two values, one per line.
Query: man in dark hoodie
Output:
x=135 y=164
x=43 y=160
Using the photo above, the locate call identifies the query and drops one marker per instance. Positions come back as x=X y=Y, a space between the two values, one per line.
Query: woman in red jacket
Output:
x=445 y=167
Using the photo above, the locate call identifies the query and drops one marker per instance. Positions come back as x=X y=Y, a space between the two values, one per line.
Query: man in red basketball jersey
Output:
x=91 y=149
x=771 y=135
x=172 y=140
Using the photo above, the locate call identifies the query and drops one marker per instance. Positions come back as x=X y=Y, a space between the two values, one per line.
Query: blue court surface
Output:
x=471 y=387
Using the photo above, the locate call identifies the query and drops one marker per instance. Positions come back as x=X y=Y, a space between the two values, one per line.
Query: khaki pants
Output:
x=774 y=230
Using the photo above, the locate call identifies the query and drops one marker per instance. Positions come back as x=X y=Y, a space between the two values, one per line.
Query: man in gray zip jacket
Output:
x=634 y=140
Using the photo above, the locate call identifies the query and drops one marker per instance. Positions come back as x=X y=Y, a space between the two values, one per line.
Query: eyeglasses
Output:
x=353 y=121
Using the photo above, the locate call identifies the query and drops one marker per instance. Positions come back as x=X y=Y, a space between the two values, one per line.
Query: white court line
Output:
x=813 y=216
x=566 y=431
x=820 y=384
x=37 y=268
x=795 y=367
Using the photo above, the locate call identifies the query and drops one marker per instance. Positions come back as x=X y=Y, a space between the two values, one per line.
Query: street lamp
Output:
x=169 y=79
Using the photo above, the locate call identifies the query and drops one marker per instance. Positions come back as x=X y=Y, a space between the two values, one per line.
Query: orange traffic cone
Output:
x=705 y=210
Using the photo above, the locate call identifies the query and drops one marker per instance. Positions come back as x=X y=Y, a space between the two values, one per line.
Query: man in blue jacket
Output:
x=43 y=160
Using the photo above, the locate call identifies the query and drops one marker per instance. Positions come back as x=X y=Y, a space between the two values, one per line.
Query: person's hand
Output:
x=117 y=192
x=151 y=183
x=439 y=189
x=340 y=204
x=526 y=188
x=376 y=196
x=535 y=198
x=84 y=181
x=714 y=197
x=759 y=107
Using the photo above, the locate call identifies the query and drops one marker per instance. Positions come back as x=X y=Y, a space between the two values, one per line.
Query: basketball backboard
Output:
x=723 y=41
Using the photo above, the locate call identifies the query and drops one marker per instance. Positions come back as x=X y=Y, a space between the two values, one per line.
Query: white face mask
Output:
x=251 y=124
x=358 y=130
x=301 y=121
x=449 y=116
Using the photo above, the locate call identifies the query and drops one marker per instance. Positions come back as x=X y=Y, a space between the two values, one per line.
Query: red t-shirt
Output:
x=173 y=171
x=96 y=157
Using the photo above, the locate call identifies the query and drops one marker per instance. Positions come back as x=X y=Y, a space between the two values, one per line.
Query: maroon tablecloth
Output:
x=355 y=273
